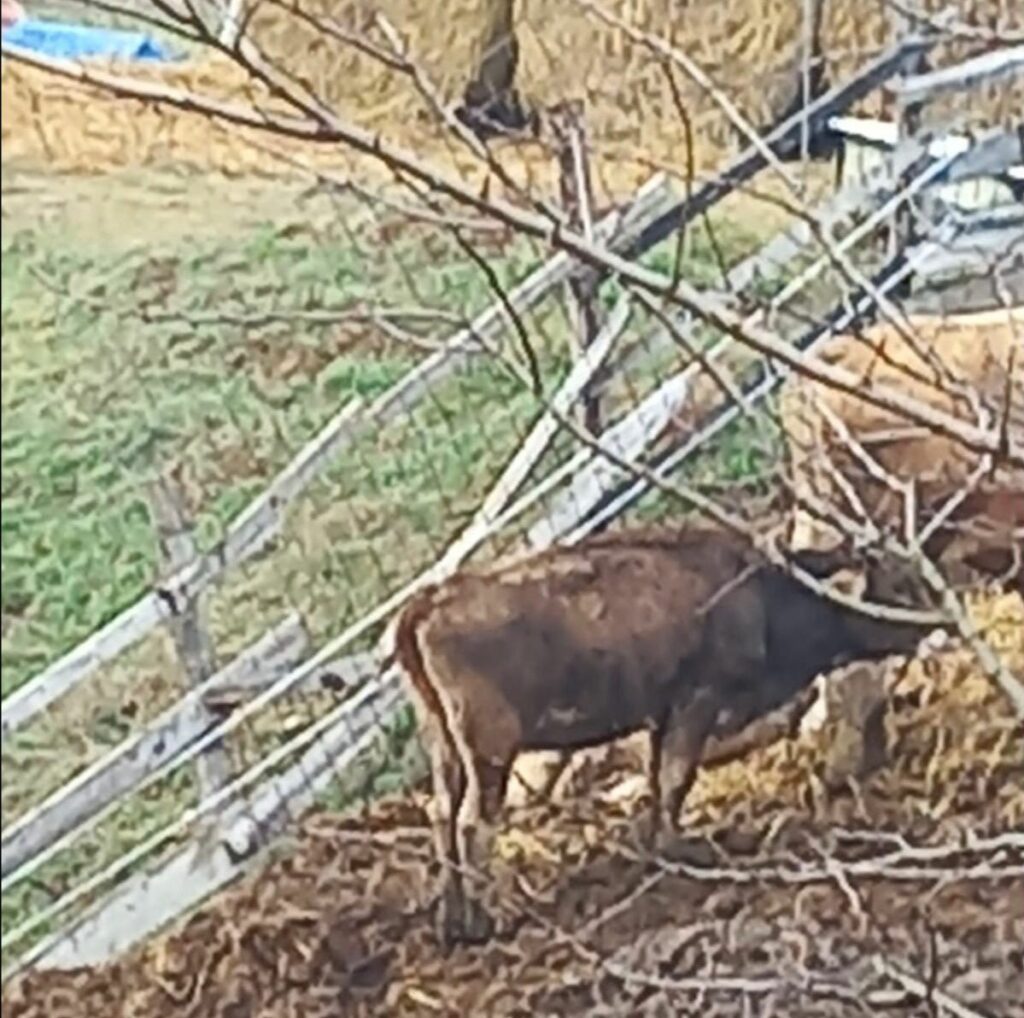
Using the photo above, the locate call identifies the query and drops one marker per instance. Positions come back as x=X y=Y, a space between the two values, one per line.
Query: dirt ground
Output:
x=903 y=896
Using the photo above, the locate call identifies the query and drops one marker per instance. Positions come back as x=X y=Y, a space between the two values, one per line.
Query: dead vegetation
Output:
x=635 y=122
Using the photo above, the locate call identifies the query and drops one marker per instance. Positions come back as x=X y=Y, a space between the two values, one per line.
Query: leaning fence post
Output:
x=177 y=548
x=577 y=197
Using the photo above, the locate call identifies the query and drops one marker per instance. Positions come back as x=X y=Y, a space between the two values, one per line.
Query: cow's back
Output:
x=604 y=626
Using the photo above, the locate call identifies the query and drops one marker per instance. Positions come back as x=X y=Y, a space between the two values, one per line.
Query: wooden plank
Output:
x=781 y=139
x=539 y=438
x=127 y=764
x=975 y=256
x=781 y=249
x=594 y=475
x=992 y=66
x=336 y=675
x=577 y=194
x=992 y=153
x=883 y=134
x=250 y=825
x=65 y=673
x=192 y=642
x=198 y=817
x=343 y=672
x=970 y=294
x=1001 y=217
x=255 y=526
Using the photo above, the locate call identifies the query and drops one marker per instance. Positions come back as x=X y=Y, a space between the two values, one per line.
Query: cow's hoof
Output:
x=462 y=921
x=478 y=924
x=448 y=918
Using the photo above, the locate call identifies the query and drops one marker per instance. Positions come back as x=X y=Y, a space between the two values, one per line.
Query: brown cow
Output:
x=685 y=634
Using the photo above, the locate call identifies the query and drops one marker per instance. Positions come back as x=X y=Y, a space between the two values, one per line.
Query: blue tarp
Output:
x=72 y=42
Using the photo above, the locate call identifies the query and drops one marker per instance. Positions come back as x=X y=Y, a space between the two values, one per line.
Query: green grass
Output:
x=94 y=400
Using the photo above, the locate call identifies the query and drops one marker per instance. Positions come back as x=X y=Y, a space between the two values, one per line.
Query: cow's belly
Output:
x=577 y=728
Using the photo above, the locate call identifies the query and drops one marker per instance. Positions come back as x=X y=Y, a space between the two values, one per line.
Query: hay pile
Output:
x=566 y=51
x=340 y=923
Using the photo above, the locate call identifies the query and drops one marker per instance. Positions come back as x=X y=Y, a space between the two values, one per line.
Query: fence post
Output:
x=177 y=548
x=577 y=197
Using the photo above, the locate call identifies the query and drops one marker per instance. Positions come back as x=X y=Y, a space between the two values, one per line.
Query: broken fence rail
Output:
x=1005 y=62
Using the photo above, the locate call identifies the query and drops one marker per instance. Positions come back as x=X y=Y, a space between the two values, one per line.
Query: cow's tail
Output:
x=403 y=649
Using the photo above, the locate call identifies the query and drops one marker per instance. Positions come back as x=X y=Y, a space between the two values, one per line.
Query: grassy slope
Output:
x=94 y=398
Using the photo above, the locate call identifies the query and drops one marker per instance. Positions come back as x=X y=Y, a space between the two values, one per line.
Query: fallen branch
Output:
x=920 y=990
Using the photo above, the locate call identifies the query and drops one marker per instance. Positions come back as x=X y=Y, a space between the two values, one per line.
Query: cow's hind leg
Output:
x=487 y=748
x=449 y=787
x=680 y=744
x=475 y=829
